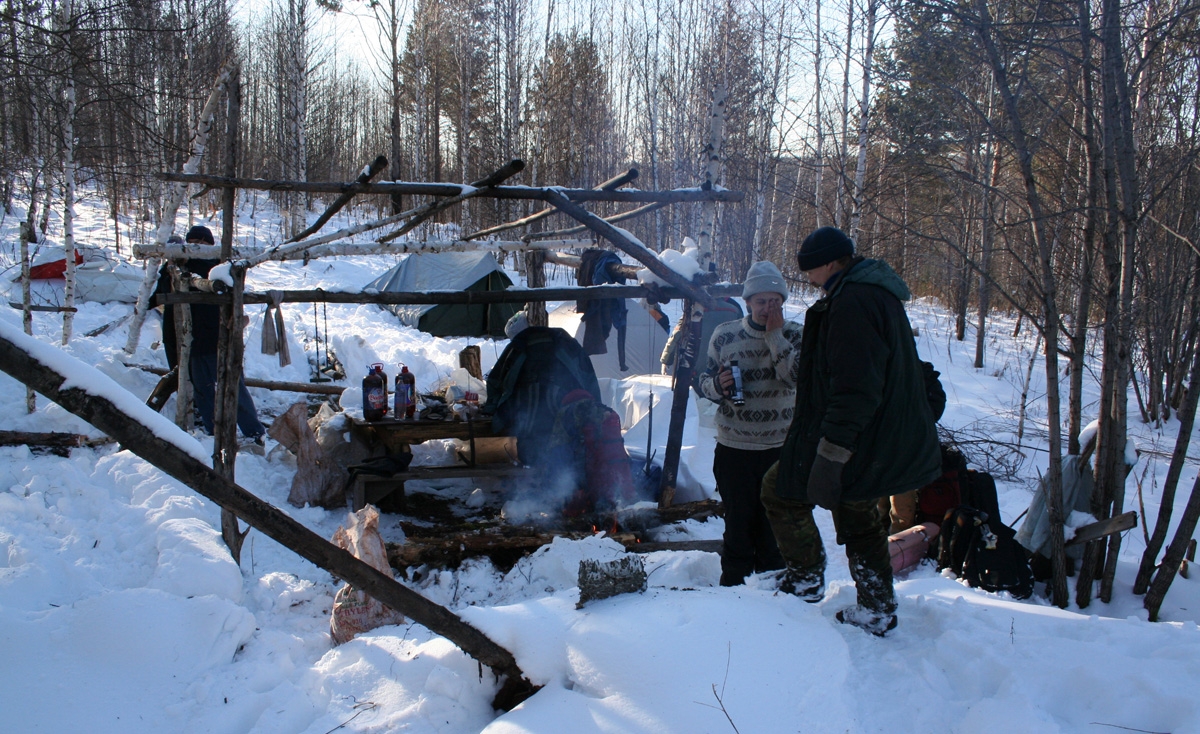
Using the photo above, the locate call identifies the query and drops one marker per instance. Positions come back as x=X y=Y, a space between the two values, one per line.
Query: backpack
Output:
x=983 y=553
x=979 y=490
x=529 y=381
x=943 y=494
x=585 y=451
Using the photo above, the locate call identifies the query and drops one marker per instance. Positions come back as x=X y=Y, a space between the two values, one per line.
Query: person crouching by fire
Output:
x=753 y=416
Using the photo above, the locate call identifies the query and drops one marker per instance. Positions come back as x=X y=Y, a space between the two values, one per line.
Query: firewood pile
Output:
x=437 y=536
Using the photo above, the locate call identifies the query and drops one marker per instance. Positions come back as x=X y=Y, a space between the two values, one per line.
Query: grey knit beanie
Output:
x=764 y=277
x=823 y=247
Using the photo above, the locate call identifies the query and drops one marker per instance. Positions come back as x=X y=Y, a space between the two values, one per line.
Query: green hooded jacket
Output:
x=861 y=387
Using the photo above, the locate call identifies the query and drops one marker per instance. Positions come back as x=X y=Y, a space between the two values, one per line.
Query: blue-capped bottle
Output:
x=406 y=395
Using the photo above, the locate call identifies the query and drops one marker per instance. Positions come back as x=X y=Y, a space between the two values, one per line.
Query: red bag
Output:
x=593 y=433
x=939 y=496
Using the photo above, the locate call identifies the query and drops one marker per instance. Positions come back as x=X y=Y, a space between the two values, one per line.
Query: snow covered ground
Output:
x=121 y=610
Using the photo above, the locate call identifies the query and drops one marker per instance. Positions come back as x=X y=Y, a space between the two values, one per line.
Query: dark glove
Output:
x=825 y=477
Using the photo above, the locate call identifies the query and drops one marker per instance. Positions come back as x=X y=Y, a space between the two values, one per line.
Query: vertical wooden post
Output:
x=182 y=314
x=690 y=349
x=686 y=357
x=230 y=346
x=28 y=237
x=535 y=277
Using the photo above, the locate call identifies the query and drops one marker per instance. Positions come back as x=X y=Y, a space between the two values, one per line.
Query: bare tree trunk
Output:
x=67 y=26
x=230 y=346
x=174 y=200
x=839 y=212
x=535 y=277
x=28 y=235
x=1121 y=189
x=1049 y=288
x=987 y=234
x=182 y=313
x=1174 y=555
x=864 y=124
x=296 y=112
x=819 y=161
x=1187 y=419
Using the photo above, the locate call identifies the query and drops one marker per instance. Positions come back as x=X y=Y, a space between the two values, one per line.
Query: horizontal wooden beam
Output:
x=297 y=387
x=1097 y=530
x=512 y=295
x=404 y=247
x=446 y=189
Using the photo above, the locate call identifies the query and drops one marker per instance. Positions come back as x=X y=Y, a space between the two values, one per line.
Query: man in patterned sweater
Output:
x=749 y=436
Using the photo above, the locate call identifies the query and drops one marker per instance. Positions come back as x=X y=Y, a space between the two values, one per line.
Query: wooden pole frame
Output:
x=674 y=196
x=17 y=359
x=512 y=295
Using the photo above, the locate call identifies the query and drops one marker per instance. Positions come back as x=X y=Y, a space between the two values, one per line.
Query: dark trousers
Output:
x=203 y=370
x=749 y=544
x=860 y=527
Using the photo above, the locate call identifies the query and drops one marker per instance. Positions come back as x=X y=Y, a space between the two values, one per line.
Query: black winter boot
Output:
x=876 y=608
x=808 y=585
x=877 y=623
x=806 y=582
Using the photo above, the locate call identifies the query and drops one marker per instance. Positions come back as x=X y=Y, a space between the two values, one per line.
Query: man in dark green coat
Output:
x=862 y=428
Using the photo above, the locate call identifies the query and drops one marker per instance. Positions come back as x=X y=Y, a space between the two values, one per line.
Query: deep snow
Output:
x=121 y=610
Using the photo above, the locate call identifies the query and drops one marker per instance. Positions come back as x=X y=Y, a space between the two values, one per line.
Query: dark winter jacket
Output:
x=861 y=387
x=206 y=318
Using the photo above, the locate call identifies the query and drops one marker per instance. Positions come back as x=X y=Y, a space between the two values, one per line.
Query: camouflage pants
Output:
x=860 y=527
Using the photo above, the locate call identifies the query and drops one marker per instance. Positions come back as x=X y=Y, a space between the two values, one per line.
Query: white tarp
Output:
x=630 y=398
x=644 y=341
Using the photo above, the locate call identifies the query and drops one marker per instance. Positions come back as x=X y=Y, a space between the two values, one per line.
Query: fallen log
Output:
x=154 y=439
x=505 y=545
x=57 y=442
x=301 y=387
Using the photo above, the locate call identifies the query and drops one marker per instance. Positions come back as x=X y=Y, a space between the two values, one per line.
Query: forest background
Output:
x=1028 y=155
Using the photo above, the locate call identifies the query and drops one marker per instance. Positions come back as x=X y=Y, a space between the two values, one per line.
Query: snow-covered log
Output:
x=175 y=198
x=369 y=172
x=499 y=176
x=613 y=183
x=511 y=295
x=672 y=196
x=629 y=244
x=94 y=397
x=631 y=214
x=339 y=249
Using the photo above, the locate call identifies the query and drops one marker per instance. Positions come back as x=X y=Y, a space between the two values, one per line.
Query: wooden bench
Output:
x=397 y=436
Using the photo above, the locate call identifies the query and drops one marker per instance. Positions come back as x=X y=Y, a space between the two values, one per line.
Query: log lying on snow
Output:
x=145 y=433
x=58 y=442
x=507 y=545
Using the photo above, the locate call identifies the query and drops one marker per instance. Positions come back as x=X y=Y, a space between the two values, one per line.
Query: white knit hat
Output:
x=764 y=277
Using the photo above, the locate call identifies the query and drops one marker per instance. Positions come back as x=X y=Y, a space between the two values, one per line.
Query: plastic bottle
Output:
x=738 y=396
x=406 y=394
x=375 y=393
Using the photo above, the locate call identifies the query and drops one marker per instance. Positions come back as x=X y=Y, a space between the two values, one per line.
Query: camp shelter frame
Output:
x=560 y=200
